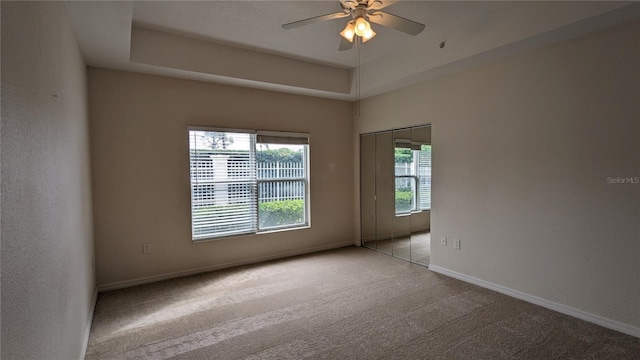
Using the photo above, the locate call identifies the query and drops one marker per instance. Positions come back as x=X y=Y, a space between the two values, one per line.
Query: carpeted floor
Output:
x=350 y=303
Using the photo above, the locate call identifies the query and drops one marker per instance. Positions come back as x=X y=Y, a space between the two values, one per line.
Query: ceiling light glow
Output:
x=361 y=26
x=349 y=31
x=368 y=35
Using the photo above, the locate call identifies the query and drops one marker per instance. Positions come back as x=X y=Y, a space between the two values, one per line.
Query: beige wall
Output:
x=48 y=282
x=522 y=149
x=140 y=166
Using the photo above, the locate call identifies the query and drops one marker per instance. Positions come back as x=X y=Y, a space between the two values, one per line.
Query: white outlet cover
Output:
x=443 y=241
x=456 y=244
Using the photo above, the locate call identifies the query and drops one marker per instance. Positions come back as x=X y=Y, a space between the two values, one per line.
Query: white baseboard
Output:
x=154 y=278
x=567 y=310
x=87 y=331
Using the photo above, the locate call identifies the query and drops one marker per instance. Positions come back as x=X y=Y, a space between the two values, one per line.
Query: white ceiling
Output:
x=242 y=42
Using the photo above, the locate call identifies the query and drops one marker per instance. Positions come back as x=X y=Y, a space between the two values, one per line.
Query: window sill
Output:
x=276 y=230
x=263 y=232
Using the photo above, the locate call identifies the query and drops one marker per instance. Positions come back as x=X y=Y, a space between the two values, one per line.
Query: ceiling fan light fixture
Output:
x=368 y=35
x=361 y=25
x=349 y=31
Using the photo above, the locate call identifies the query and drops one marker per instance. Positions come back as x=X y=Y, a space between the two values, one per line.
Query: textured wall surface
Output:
x=523 y=149
x=48 y=282
x=140 y=167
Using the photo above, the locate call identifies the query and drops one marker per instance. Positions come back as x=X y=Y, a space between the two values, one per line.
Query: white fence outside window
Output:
x=275 y=180
x=280 y=170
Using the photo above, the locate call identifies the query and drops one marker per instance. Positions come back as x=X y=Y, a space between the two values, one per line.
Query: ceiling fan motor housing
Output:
x=359 y=12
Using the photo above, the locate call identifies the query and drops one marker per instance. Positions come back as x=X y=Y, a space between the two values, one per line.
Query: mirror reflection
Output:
x=384 y=198
x=368 y=190
x=395 y=184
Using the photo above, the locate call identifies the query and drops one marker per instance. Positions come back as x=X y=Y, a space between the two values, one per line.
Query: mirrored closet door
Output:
x=395 y=185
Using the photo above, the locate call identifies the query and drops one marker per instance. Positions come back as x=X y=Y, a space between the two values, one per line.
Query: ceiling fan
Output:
x=361 y=12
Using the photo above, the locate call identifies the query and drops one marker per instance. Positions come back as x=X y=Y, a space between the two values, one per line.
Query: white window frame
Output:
x=283 y=136
x=272 y=136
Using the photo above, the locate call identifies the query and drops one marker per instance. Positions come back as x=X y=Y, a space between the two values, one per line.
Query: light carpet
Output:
x=349 y=303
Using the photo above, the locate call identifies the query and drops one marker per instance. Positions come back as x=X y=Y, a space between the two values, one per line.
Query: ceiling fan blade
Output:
x=396 y=22
x=313 y=20
x=374 y=5
x=345 y=44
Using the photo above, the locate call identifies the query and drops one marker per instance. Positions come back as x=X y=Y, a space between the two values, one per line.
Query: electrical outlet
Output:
x=456 y=244
x=443 y=241
x=146 y=248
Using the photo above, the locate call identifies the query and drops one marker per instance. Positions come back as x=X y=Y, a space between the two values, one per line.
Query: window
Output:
x=412 y=177
x=245 y=182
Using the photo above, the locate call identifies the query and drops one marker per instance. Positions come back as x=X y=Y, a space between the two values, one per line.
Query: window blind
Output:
x=282 y=138
x=424 y=176
x=223 y=184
